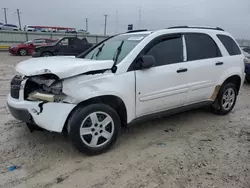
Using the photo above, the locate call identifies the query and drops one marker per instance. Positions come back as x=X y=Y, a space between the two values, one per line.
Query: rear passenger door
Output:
x=204 y=66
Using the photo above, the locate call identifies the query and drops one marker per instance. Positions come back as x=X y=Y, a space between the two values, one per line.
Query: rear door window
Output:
x=229 y=44
x=201 y=46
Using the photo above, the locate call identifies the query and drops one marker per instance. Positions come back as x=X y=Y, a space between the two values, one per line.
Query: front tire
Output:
x=93 y=129
x=46 y=54
x=23 y=52
x=225 y=100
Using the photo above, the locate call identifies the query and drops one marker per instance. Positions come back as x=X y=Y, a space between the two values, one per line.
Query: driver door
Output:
x=165 y=85
x=64 y=47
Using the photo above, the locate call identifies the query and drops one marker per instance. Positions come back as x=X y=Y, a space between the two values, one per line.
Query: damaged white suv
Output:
x=127 y=78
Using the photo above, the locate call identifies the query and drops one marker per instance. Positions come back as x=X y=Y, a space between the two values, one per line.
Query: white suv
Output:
x=127 y=78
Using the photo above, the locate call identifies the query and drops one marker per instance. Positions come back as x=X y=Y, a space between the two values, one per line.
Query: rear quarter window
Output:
x=201 y=46
x=229 y=44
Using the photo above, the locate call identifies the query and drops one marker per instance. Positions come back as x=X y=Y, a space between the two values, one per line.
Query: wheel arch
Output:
x=114 y=101
x=22 y=49
x=234 y=79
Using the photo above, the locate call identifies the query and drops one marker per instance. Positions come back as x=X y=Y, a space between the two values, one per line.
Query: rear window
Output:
x=201 y=46
x=229 y=44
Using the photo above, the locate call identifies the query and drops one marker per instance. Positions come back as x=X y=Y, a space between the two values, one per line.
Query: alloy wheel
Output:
x=97 y=129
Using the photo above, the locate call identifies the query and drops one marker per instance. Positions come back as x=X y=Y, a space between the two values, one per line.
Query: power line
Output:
x=19 y=19
x=105 y=24
x=5 y=14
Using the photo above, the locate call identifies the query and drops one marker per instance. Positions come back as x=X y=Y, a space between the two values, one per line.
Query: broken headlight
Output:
x=44 y=88
x=55 y=87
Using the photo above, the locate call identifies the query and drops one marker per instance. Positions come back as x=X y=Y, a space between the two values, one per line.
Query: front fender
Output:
x=84 y=87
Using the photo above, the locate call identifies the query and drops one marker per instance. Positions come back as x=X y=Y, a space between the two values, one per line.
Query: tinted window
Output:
x=75 y=41
x=64 y=42
x=167 y=51
x=229 y=44
x=200 y=46
x=48 y=41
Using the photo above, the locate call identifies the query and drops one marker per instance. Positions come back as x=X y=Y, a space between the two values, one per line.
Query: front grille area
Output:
x=15 y=86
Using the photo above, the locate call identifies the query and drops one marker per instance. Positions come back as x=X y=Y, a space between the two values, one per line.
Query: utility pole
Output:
x=19 y=19
x=116 y=22
x=139 y=18
x=105 y=24
x=5 y=14
x=87 y=27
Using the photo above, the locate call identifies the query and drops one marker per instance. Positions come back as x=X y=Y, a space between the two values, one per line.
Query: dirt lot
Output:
x=192 y=149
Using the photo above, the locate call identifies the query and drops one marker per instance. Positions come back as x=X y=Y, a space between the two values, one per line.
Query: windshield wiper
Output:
x=117 y=53
x=98 y=51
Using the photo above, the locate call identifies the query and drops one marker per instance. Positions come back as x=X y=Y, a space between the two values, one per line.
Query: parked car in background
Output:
x=247 y=66
x=127 y=78
x=1 y=25
x=27 y=48
x=83 y=31
x=10 y=27
x=66 y=46
x=29 y=28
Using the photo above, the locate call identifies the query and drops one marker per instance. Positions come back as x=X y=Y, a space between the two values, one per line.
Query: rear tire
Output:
x=248 y=78
x=46 y=54
x=225 y=100
x=23 y=52
x=93 y=129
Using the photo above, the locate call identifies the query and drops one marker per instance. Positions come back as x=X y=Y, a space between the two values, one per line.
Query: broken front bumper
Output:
x=50 y=116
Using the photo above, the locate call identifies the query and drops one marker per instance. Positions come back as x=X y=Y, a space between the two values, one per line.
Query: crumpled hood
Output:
x=63 y=67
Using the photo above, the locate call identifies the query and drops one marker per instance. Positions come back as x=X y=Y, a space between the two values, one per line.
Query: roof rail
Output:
x=139 y=30
x=184 y=26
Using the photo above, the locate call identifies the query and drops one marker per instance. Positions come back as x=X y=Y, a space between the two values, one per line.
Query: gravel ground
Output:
x=192 y=149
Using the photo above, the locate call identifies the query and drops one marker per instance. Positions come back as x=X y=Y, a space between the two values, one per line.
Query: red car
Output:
x=27 y=48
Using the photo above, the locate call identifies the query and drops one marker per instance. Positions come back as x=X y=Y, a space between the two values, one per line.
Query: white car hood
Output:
x=63 y=67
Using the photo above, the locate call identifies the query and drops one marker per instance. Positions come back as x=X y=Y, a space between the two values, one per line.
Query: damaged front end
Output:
x=47 y=88
x=39 y=102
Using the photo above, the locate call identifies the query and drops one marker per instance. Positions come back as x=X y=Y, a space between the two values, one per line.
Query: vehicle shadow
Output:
x=57 y=146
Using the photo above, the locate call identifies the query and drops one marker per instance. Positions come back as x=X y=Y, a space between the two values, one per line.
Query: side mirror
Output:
x=145 y=62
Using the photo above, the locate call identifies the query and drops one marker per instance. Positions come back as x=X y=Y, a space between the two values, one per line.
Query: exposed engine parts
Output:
x=45 y=88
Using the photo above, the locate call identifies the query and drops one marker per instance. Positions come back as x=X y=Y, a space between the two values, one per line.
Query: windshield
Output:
x=55 y=43
x=108 y=49
x=28 y=42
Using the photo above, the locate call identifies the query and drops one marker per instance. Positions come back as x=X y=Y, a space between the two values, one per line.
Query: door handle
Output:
x=219 y=63
x=182 y=70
